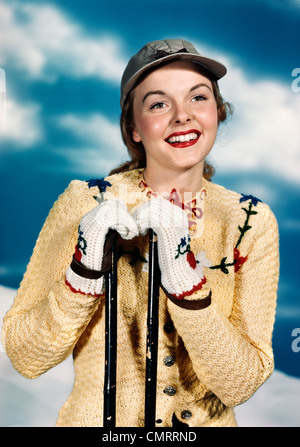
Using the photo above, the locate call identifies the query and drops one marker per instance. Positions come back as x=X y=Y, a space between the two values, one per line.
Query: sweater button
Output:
x=186 y=414
x=169 y=360
x=170 y=390
x=169 y=327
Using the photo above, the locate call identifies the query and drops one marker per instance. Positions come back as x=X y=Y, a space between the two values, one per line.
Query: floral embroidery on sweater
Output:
x=239 y=260
x=101 y=184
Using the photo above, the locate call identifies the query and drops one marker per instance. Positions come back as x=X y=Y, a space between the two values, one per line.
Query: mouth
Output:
x=183 y=139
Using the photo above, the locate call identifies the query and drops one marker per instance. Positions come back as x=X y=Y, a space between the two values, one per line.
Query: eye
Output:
x=157 y=105
x=199 y=98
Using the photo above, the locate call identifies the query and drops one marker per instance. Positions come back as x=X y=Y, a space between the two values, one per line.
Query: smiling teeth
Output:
x=183 y=138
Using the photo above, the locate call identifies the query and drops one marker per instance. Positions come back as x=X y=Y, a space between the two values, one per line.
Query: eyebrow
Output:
x=202 y=84
x=156 y=92
x=160 y=92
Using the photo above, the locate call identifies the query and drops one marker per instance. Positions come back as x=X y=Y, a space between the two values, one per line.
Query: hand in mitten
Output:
x=181 y=271
x=85 y=273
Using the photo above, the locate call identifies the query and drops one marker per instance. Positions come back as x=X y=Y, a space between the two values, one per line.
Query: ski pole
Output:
x=109 y=408
x=152 y=332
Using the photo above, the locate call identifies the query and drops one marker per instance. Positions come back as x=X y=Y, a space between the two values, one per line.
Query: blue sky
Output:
x=63 y=61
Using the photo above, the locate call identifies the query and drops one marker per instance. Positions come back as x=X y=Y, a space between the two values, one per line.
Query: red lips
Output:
x=183 y=139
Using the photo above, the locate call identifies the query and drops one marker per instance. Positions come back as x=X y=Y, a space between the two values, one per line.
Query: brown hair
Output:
x=136 y=150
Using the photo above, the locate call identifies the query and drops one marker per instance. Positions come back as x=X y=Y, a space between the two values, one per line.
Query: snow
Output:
x=35 y=403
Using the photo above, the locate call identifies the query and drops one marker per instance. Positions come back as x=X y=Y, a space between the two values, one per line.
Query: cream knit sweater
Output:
x=213 y=359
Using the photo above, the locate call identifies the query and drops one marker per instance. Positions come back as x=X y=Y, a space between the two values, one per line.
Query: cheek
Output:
x=146 y=129
x=210 y=118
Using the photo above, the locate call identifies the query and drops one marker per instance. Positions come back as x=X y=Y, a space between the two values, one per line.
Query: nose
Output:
x=182 y=114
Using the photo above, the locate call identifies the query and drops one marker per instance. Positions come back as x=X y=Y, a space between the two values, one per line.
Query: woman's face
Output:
x=175 y=117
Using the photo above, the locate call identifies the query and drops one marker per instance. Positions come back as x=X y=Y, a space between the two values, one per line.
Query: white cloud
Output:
x=103 y=147
x=44 y=43
x=21 y=123
x=93 y=127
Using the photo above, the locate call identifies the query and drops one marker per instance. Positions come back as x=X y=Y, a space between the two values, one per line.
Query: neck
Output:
x=187 y=182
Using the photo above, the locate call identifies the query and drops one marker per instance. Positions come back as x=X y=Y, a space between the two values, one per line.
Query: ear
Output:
x=136 y=136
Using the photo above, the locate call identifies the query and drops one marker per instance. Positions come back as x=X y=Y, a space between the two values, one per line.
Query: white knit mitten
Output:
x=181 y=271
x=85 y=274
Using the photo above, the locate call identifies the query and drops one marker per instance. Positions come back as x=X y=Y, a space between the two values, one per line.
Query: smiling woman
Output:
x=135 y=147
x=183 y=115
x=217 y=254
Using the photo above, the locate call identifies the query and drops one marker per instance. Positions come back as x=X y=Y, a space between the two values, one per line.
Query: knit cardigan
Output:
x=209 y=360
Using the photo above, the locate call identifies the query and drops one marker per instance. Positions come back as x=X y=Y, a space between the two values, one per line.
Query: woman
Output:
x=218 y=255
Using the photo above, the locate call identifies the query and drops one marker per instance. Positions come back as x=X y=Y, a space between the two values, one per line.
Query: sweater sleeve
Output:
x=233 y=356
x=47 y=318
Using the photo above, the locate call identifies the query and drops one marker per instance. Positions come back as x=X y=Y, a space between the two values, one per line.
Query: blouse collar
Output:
x=194 y=207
